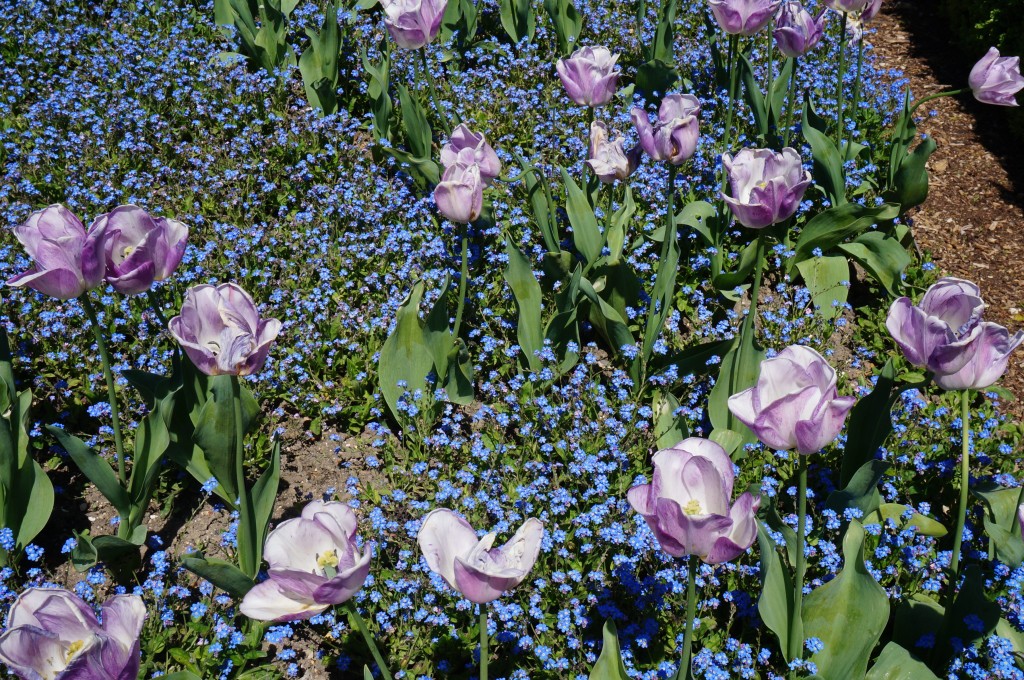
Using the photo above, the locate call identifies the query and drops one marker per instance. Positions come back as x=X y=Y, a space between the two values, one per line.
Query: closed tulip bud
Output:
x=460 y=194
x=797 y=31
x=995 y=79
x=608 y=158
x=767 y=187
x=140 y=249
x=743 y=17
x=687 y=503
x=413 y=23
x=221 y=331
x=795 y=404
x=314 y=563
x=471 y=565
x=467 y=148
x=674 y=136
x=67 y=260
x=589 y=75
x=53 y=635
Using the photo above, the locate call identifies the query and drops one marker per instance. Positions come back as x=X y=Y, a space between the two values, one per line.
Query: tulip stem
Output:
x=1017 y=528
x=483 y=642
x=361 y=625
x=755 y=286
x=248 y=560
x=796 y=643
x=463 y=275
x=965 y=478
x=856 y=94
x=685 y=672
x=733 y=80
x=840 y=91
x=432 y=88
x=788 y=133
x=937 y=95
x=769 y=78
x=115 y=413
x=656 y=315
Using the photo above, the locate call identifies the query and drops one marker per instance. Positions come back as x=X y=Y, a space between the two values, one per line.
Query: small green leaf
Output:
x=223 y=575
x=96 y=468
x=828 y=280
x=609 y=665
x=669 y=428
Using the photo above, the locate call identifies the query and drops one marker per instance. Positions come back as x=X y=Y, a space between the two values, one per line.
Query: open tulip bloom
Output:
x=460 y=194
x=140 y=249
x=589 y=75
x=413 y=23
x=673 y=137
x=996 y=80
x=797 y=31
x=743 y=17
x=67 y=260
x=466 y=148
x=767 y=186
x=608 y=157
x=53 y=635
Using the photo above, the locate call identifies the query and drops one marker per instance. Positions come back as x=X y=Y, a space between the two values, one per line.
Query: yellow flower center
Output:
x=75 y=648
x=128 y=250
x=328 y=559
x=692 y=507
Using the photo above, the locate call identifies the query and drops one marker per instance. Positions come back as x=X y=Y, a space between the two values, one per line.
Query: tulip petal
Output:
x=442 y=538
x=270 y=601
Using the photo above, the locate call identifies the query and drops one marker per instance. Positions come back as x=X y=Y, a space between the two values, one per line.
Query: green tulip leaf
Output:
x=527 y=294
x=586 y=235
x=896 y=663
x=862 y=491
x=740 y=367
x=831 y=227
x=828 y=280
x=870 y=424
x=96 y=468
x=405 y=355
x=220 y=573
x=883 y=257
x=775 y=605
x=828 y=161
x=609 y=665
x=669 y=428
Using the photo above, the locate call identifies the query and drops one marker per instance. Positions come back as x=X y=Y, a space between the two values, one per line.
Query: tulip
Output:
x=743 y=17
x=314 y=563
x=608 y=158
x=767 y=187
x=413 y=23
x=67 y=260
x=984 y=352
x=797 y=31
x=1020 y=518
x=589 y=75
x=221 y=331
x=467 y=148
x=847 y=6
x=674 y=137
x=871 y=10
x=460 y=194
x=140 y=249
x=795 y=404
x=53 y=634
x=687 y=503
x=995 y=79
x=470 y=565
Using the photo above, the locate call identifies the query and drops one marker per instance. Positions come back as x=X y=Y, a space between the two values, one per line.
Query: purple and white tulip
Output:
x=140 y=248
x=460 y=194
x=797 y=31
x=673 y=137
x=870 y=11
x=687 y=503
x=743 y=17
x=996 y=80
x=984 y=352
x=589 y=75
x=767 y=186
x=413 y=23
x=471 y=565
x=55 y=635
x=315 y=563
x=608 y=157
x=847 y=6
x=795 y=404
x=221 y=331
x=467 y=148
x=67 y=260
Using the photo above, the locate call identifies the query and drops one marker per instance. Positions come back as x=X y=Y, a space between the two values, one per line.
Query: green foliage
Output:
x=609 y=665
x=319 y=62
x=262 y=29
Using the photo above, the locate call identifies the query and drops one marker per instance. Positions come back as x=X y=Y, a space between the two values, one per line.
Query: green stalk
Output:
x=1020 y=501
x=432 y=88
x=483 y=642
x=685 y=672
x=464 y=274
x=840 y=91
x=755 y=286
x=769 y=78
x=248 y=560
x=796 y=644
x=856 y=91
x=733 y=81
x=361 y=626
x=965 y=478
x=655 y=317
x=937 y=95
x=115 y=413
x=788 y=134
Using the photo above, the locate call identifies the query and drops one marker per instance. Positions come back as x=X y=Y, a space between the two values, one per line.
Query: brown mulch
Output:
x=973 y=221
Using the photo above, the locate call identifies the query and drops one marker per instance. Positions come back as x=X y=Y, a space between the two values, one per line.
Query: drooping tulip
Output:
x=687 y=503
x=767 y=186
x=67 y=260
x=467 y=148
x=471 y=565
x=55 y=635
x=673 y=137
x=314 y=563
x=460 y=194
x=995 y=79
x=140 y=249
x=984 y=352
x=795 y=404
x=221 y=331
x=589 y=75
x=743 y=17
x=608 y=157
x=797 y=31
x=413 y=23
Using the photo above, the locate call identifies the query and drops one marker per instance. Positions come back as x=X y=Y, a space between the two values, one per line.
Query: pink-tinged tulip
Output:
x=767 y=187
x=743 y=17
x=984 y=353
x=935 y=334
x=315 y=563
x=468 y=148
x=140 y=249
x=470 y=565
x=1020 y=517
x=847 y=6
x=221 y=331
x=995 y=79
x=67 y=260
x=608 y=158
x=413 y=23
x=589 y=75
x=797 y=31
x=673 y=137
x=795 y=404
x=54 y=635
x=871 y=10
x=460 y=194
x=687 y=503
